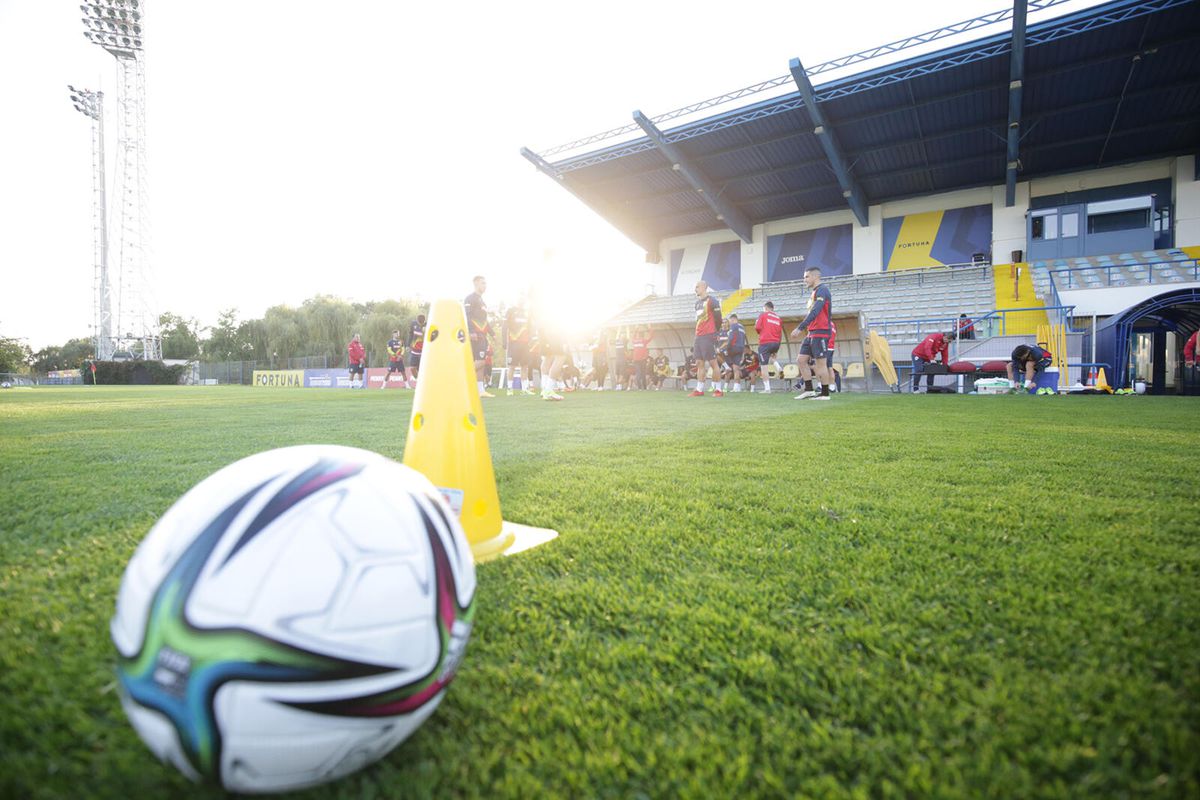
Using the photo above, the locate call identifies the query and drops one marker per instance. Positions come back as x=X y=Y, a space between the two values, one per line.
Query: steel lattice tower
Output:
x=116 y=26
x=91 y=105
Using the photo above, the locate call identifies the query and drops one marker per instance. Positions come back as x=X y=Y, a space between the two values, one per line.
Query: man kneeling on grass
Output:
x=1030 y=359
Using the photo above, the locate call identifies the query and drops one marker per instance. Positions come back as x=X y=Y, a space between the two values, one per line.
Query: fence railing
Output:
x=915 y=275
x=1146 y=272
x=1011 y=321
x=1001 y=322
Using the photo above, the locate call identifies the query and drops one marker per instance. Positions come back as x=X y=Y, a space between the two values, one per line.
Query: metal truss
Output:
x=725 y=209
x=116 y=26
x=91 y=105
x=1062 y=29
x=786 y=80
x=829 y=143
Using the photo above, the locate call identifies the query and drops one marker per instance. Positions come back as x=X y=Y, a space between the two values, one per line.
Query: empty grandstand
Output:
x=1047 y=173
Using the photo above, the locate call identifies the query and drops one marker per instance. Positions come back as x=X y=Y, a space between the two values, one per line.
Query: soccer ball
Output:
x=293 y=618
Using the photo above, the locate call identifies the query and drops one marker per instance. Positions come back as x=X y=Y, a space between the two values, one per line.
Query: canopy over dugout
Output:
x=1116 y=83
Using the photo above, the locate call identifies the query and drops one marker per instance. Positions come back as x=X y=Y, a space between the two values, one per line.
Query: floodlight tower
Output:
x=91 y=105
x=116 y=26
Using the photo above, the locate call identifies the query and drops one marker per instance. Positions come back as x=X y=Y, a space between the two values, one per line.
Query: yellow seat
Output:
x=790 y=372
x=854 y=370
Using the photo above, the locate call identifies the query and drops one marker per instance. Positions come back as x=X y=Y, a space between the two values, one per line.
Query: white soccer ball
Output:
x=293 y=617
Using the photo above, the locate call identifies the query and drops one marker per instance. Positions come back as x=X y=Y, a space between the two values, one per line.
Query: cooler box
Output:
x=1046 y=379
x=993 y=386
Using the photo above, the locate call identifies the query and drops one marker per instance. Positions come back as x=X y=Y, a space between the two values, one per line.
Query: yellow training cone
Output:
x=447 y=439
x=1102 y=382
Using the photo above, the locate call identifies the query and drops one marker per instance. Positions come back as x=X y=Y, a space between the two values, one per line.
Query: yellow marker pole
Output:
x=447 y=439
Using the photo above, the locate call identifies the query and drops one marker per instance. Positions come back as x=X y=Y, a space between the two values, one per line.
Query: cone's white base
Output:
x=527 y=537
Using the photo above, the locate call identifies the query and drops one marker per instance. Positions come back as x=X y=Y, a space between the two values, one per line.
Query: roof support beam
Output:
x=725 y=210
x=1016 y=76
x=850 y=188
x=639 y=238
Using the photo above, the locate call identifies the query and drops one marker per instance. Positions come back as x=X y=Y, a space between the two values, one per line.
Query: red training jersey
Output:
x=641 y=345
x=769 y=327
x=931 y=346
x=708 y=315
x=356 y=352
x=1189 y=349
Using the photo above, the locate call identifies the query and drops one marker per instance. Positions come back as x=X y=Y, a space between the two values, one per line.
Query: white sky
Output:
x=369 y=148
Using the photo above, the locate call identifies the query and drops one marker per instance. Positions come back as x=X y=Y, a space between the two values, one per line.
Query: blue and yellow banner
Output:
x=719 y=265
x=937 y=238
x=279 y=378
x=830 y=249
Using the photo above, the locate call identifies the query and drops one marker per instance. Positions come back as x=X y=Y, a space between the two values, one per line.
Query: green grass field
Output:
x=880 y=596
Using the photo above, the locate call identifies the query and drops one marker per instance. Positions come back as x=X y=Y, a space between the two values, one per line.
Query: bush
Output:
x=135 y=372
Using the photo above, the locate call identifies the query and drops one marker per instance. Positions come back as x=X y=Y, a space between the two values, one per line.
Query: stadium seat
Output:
x=854 y=370
x=790 y=372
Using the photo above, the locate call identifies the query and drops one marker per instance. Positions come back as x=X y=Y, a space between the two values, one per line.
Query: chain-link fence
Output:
x=225 y=372
x=242 y=372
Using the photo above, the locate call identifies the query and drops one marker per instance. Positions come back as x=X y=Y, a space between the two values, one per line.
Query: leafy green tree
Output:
x=15 y=355
x=225 y=341
x=284 y=328
x=180 y=337
x=71 y=355
x=377 y=328
x=329 y=322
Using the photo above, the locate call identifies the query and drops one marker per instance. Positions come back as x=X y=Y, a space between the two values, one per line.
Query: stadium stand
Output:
x=936 y=292
x=1120 y=269
x=902 y=165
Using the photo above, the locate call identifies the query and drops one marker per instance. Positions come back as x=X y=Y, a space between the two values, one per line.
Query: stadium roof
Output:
x=1116 y=83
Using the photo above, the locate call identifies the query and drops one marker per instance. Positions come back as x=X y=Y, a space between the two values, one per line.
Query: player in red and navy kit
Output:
x=770 y=332
x=416 y=343
x=395 y=351
x=750 y=367
x=931 y=347
x=356 y=356
x=833 y=373
x=554 y=349
x=640 y=348
x=816 y=339
x=735 y=350
x=708 y=322
x=480 y=330
x=1031 y=359
x=518 y=336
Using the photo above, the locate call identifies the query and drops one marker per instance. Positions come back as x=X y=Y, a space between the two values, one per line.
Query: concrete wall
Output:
x=1187 y=202
x=1008 y=224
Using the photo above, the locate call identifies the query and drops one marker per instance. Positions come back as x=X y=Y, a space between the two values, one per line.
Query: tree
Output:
x=284 y=328
x=225 y=341
x=180 y=337
x=15 y=355
x=377 y=328
x=71 y=355
x=328 y=322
